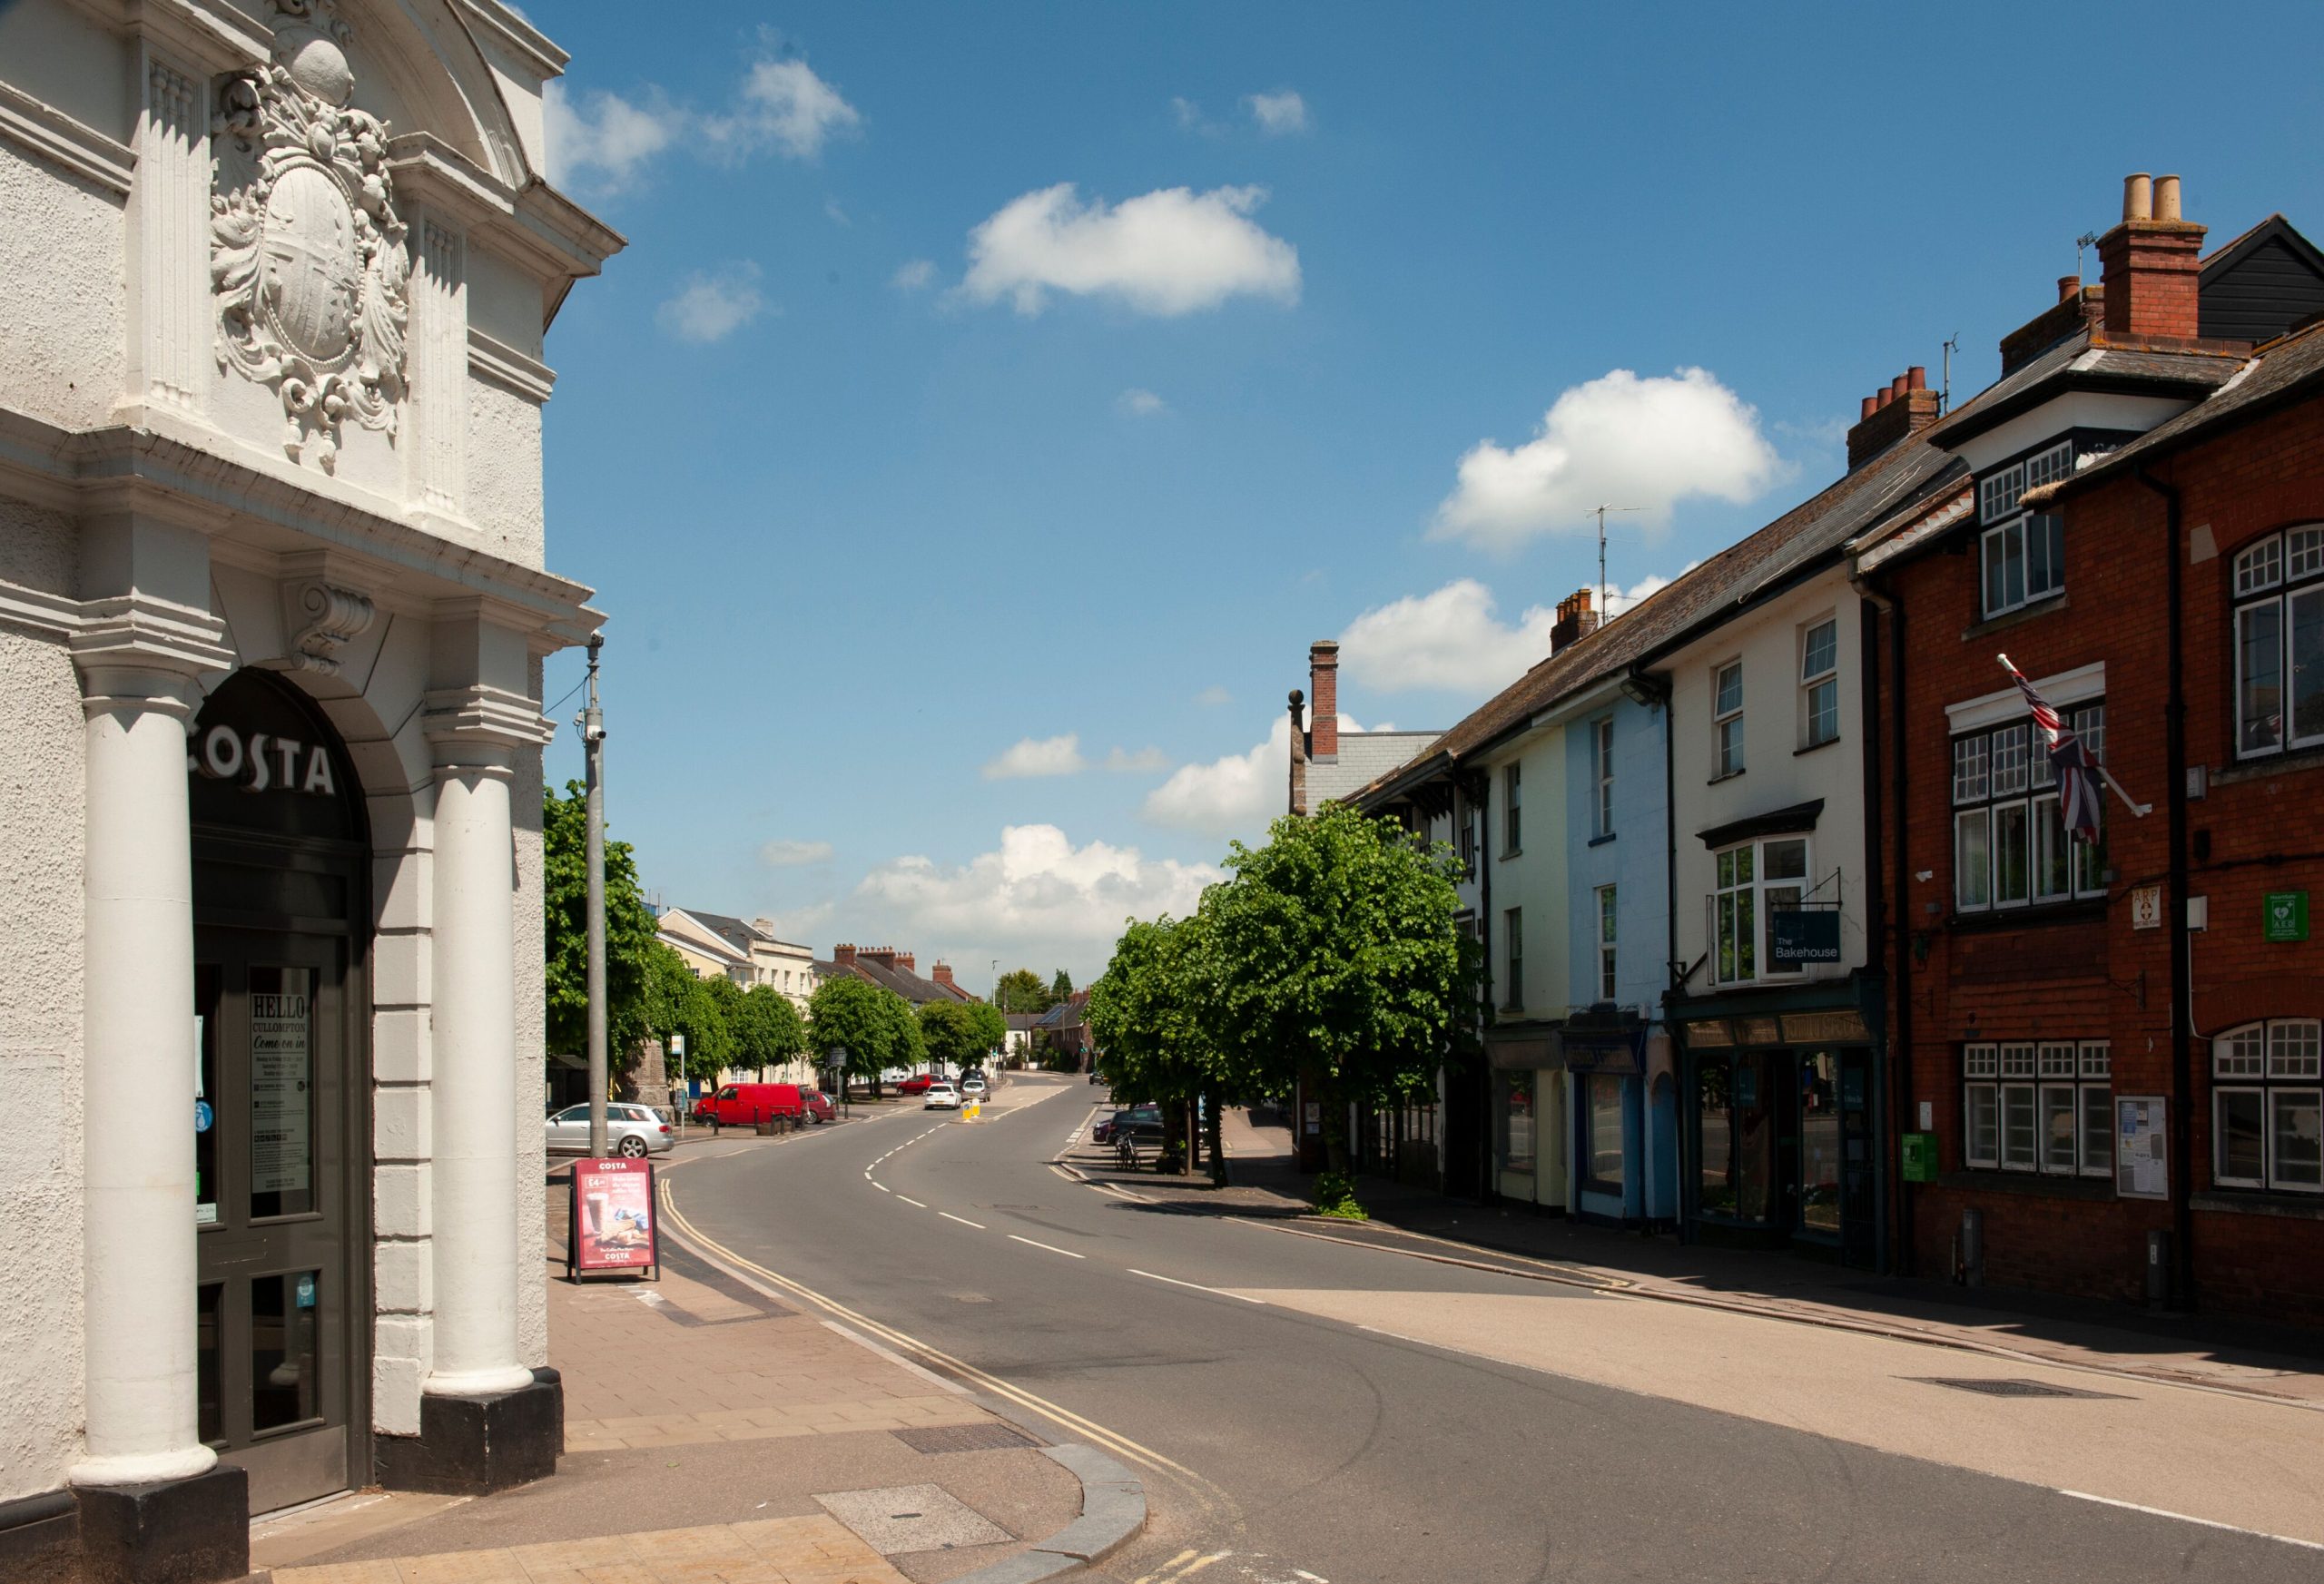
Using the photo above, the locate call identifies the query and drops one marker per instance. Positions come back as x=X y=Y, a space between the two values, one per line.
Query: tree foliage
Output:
x=1338 y=961
x=768 y=1029
x=1060 y=987
x=992 y=1029
x=629 y=930
x=873 y=1025
x=1021 y=990
x=950 y=1033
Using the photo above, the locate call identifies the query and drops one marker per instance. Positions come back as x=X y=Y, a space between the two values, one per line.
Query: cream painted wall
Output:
x=40 y=1021
x=1533 y=879
x=1774 y=774
x=504 y=474
x=62 y=338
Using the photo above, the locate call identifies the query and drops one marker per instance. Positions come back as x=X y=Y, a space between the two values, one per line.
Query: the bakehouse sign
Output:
x=260 y=762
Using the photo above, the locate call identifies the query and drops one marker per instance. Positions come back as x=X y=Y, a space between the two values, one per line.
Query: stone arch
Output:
x=427 y=61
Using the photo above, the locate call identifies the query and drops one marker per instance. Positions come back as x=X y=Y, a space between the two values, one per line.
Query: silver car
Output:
x=633 y=1131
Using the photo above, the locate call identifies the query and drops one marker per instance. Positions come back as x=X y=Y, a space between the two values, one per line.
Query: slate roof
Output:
x=1363 y=756
x=2281 y=371
x=2083 y=361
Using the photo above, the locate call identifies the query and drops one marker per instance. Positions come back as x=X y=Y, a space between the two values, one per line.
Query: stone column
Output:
x=487 y=1421
x=146 y=1472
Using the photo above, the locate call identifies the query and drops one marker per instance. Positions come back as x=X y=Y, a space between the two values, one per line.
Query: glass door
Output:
x=271 y=1141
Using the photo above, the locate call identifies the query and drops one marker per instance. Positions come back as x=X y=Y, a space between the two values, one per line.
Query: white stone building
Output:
x=272 y=613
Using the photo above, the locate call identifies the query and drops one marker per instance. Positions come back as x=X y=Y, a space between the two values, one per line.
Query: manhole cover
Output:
x=1990 y=1386
x=964 y=1438
x=913 y=1517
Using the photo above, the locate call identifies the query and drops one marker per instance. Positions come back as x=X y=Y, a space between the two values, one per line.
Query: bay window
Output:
x=2267 y=1106
x=1754 y=880
x=2279 y=643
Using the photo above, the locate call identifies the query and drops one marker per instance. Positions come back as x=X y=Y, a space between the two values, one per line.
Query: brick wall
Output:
x=2081 y=970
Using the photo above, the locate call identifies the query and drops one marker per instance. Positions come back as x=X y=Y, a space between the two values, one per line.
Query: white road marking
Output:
x=962 y=1219
x=2282 y=1540
x=883 y=1188
x=908 y=1199
x=1052 y=1247
x=1197 y=1286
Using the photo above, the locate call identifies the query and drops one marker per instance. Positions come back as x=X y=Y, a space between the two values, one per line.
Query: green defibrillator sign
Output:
x=2284 y=916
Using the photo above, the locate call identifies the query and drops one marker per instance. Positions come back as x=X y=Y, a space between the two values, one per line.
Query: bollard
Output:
x=2157 y=1269
x=1973 y=1248
x=763 y=1129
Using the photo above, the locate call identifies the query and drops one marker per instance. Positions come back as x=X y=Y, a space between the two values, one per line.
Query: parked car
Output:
x=940 y=1096
x=1103 y=1133
x=819 y=1106
x=741 y=1105
x=973 y=1084
x=631 y=1131
x=917 y=1083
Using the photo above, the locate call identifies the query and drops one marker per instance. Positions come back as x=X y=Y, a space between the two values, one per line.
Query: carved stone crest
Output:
x=307 y=256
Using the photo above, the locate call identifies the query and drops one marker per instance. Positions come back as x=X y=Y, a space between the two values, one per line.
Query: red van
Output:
x=741 y=1105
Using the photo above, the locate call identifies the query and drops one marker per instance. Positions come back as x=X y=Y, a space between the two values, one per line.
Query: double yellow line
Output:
x=936 y=1359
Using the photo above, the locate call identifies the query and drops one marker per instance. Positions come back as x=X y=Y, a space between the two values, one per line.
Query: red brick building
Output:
x=2105 y=1042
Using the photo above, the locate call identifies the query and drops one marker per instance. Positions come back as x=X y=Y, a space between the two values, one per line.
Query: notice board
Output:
x=613 y=1226
x=2141 y=1147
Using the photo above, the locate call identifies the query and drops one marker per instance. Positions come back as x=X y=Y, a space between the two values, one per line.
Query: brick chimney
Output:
x=844 y=956
x=1575 y=619
x=1903 y=408
x=903 y=960
x=2077 y=305
x=1324 y=688
x=942 y=974
x=2150 y=263
x=1298 y=753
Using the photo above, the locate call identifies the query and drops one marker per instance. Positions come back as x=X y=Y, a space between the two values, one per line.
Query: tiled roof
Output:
x=2281 y=371
x=2081 y=360
x=1363 y=757
x=732 y=931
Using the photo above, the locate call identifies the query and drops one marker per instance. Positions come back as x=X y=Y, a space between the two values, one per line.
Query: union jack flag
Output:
x=2078 y=773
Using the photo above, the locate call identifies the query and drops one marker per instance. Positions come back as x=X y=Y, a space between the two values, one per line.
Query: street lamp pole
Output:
x=593 y=742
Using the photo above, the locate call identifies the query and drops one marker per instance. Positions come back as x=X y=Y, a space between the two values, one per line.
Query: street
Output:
x=1302 y=1409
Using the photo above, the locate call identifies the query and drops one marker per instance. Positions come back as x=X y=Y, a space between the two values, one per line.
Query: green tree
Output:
x=992 y=1029
x=1149 y=1013
x=768 y=1029
x=629 y=932
x=905 y=1046
x=1335 y=960
x=1020 y=991
x=857 y=1016
x=1060 y=987
x=950 y=1032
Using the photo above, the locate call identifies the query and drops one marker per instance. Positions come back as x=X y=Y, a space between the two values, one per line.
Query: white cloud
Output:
x=1170 y=251
x=1038 y=890
x=1278 y=114
x=1039 y=756
x=1189 y=115
x=782 y=103
x=782 y=854
x=1146 y=760
x=1214 y=696
x=834 y=213
x=712 y=306
x=1140 y=403
x=598 y=142
x=1620 y=440
x=1235 y=795
x=1454 y=639
x=914 y=275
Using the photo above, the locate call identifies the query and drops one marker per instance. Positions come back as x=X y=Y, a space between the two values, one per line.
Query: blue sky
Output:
x=982 y=376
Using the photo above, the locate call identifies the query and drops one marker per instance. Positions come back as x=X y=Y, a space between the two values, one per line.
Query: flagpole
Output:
x=2141 y=810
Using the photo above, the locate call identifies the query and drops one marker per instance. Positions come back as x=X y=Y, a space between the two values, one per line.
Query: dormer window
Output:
x=2023 y=554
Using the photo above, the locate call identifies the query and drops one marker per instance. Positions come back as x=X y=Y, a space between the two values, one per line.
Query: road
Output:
x=1307 y=1411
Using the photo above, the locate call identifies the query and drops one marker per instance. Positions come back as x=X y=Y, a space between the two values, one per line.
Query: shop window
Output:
x=2042 y=1107
x=1601 y=1120
x=1819 y=684
x=2267 y=1104
x=2011 y=848
x=2022 y=555
x=1607 y=916
x=1727 y=719
x=1754 y=880
x=2279 y=644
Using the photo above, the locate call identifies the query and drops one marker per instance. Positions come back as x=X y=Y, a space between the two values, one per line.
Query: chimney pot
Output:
x=2166 y=198
x=1871 y=405
x=1883 y=396
x=1896 y=388
x=2138 y=197
x=1916 y=378
x=2069 y=288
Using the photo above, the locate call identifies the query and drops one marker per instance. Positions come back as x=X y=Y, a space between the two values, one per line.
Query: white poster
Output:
x=2141 y=1136
x=280 y=1068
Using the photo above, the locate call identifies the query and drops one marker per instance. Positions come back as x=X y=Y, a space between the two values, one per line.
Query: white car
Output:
x=973 y=1084
x=941 y=1096
x=633 y=1131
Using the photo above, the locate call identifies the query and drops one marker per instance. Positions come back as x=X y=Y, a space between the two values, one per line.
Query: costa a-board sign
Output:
x=612 y=1226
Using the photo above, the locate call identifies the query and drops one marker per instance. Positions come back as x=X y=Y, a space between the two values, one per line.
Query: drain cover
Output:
x=1990 y=1386
x=964 y=1438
